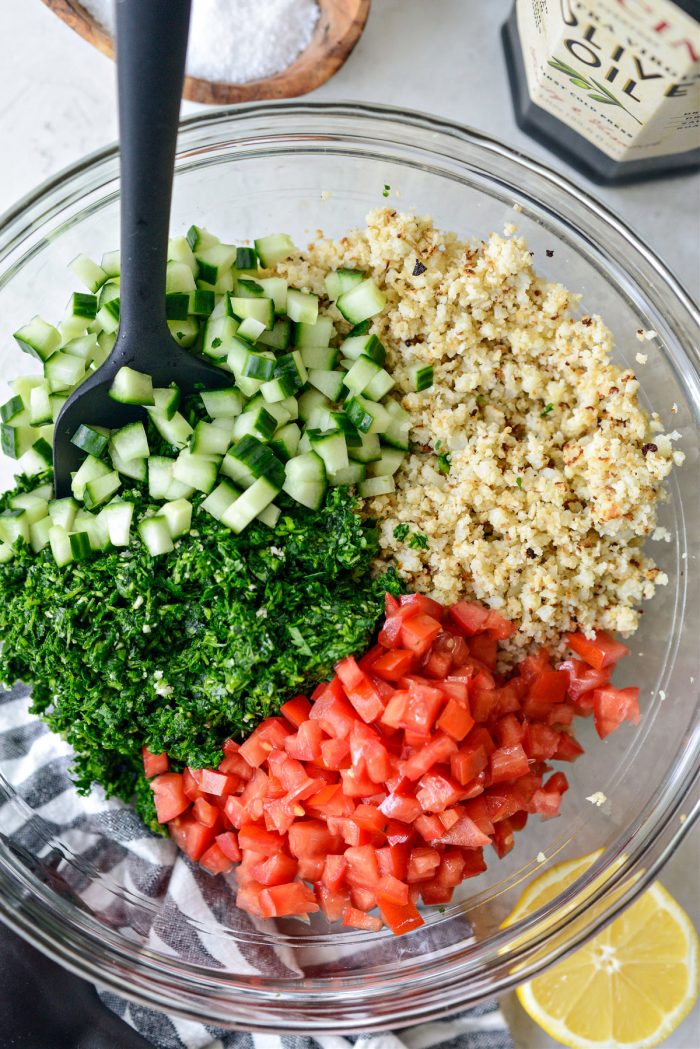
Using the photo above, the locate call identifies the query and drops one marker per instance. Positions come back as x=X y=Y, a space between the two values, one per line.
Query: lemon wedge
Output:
x=630 y=986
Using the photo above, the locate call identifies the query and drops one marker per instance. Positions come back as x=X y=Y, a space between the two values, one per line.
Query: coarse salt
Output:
x=236 y=41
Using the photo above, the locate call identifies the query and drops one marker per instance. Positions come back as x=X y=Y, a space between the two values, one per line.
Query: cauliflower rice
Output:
x=555 y=471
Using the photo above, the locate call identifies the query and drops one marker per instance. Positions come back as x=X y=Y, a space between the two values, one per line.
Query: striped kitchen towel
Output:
x=90 y=845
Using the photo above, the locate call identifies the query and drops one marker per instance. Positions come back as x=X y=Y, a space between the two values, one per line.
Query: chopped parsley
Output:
x=386 y=190
x=216 y=343
x=443 y=461
x=519 y=482
x=400 y=532
x=545 y=412
x=418 y=541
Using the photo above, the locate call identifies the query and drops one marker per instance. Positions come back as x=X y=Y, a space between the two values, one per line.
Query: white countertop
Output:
x=57 y=103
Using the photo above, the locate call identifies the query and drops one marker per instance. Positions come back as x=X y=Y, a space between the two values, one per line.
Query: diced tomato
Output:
x=395 y=710
x=270 y=733
x=508 y=763
x=169 y=796
x=546 y=804
x=533 y=665
x=275 y=870
x=438 y=661
x=466 y=834
x=369 y=818
x=355 y=919
x=234 y=765
x=455 y=689
x=401 y=807
x=312 y=838
x=503 y=840
x=599 y=651
x=419 y=632
x=391 y=605
x=419 y=604
x=540 y=741
x=367 y=661
x=391 y=889
x=437 y=792
x=333 y=711
x=215 y=860
x=296 y=710
x=154 y=764
x=335 y=753
x=422 y=863
x=394 y=664
x=583 y=677
x=501 y=802
x=362 y=869
x=333 y=901
x=228 y=843
x=211 y=782
x=257 y=839
x=205 y=812
x=612 y=706
x=568 y=748
x=470 y=616
x=334 y=868
x=430 y=828
x=546 y=689
x=306 y=743
x=468 y=762
x=438 y=750
x=484 y=647
x=424 y=703
x=311 y=868
x=276 y=901
x=192 y=837
x=189 y=785
x=455 y=720
x=398 y=833
x=401 y=918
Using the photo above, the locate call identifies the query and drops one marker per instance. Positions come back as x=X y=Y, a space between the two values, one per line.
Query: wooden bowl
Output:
x=338 y=29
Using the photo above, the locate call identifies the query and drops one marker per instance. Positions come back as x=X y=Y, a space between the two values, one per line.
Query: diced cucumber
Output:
x=23 y=385
x=95 y=527
x=132 y=387
x=87 y=271
x=201 y=303
x=304 y=444
x=396 y=431
x=262 y=310
x=14 y=525
x=285 y=442
x=246 y=288
x=379 y=386
x=420 y=377
x=290 y=369
x=62 y=512
x=275 y=288
x=57 y=401
x=196 y=471
x=111 y=263
x=369 y=451
x=155 y=535
x=134 y=468
x=302 y=306
x=85 y=347
x=209 y=439
x=160 y=475
x=219 y=336
x=91 y=439
x=318 y=334
x=331 y=447
x=330 y=383
x=90 y=470
x=72 y=328
x=309 y=401
x=279 y=413
x=101 y=490
x=61 y=546
x=389 y=463
x=39 y=534
x=16 y=440
x=246 y=259
x=179 y=279
x=291 y=407
x=374 y=486
x=34 y=506
x=319 y=357
x=305 y=480
x=176 y=430
x=7 y=553
x=367 y=416
x=117 y=517
x=108 y=316
x=177 y=305
x=277 y=390
x=274 y=248
x=353 y=473
x=218 y=501
x=270 y=515
x=250 y=329
x=361 y=302
x=63 y=371
x=40 y=455
x=178 y=515
x=214 y=261
x=82 y=305
x=131 y=442
x=259 y=366
x=14 y=412
x=109 y=292
x=166 y=400
x=223 y=404
x=250 y=459
x=342 y=280
x=185 y=333
x=258 y=423
x=199 y=238
x=280 y=336
x=249 y=504
x=337 y=420
x=38 y=338
x=43 y=491
x=363 y=371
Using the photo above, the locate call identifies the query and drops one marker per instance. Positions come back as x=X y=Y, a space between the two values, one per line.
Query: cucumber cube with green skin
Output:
x=111 y=263
x=259 y=423
x=14 y=525
x=246 y=259
x=117 y=517
x=167 y=400
x=62 y=512
x=72 y=329
x=319 y=357
x=290 y=367
x=14 y=411
x=108 y=316
x=85 y=347
x=133 y=468
x=360 y=303
x=91 y=439
x=131 y=442
x=390 y=461
x=215 y=261
x=281 y=335
x=250 y=329
x=209 y=439
x=379 y=386
x=195 y=470
x=421 y=377
x=95 y=527
x=285 y=442
x=274 y=248
x=318 y=334
x=332 y=449
x=219 y=337
x=342 y=280
x=108 y=292
x=363 y=371
x=199 y=238
x=309 y=401
x=249 y=504
x=155 y=535
x=222 y=404
x=38 y=338
x=302 y=306
x=39 y=534
x=179 y=279
x=16 y=440
x=250 y=459
x=397 y=429
x=40 y=456
x=329 y=383
x=184 y=332
x=201 y=303
x=60 y=545
x=57 y=401
x=35 y=506
x=177 y=305
x=160 y=475
x=87 y=271
x=218 y=501
x=277 y=390
x=83 y=305
x=270 y=515
x=132 y=387
x=178 y=516
x=90 y=469
x=275 y=288
x=176 y=430
x=353 y=473
x=262 y=310
x=64 y=371
x=101 y=490
x=305 y=480
x=367 y=416
x=259 y=366
x=6 y=553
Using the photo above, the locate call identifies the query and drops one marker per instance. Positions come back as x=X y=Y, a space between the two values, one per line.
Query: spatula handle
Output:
x=151 y=50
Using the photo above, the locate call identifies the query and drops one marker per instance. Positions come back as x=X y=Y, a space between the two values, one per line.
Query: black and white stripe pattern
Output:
x=94 y=847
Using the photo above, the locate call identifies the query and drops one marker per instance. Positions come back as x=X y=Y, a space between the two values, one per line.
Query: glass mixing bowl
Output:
x=297 y=167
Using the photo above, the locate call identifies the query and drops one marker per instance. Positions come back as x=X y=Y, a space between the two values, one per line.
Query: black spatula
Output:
x=151 y=49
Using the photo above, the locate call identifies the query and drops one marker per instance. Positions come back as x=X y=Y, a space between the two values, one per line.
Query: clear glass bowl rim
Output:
x=75 y=940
